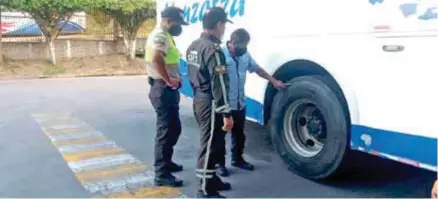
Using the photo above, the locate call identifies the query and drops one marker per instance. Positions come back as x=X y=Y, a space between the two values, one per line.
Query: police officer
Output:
x=239 y=62
x=209 y=81
x=162 y=58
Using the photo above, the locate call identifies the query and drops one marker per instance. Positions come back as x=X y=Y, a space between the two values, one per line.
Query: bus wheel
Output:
x=309 y=128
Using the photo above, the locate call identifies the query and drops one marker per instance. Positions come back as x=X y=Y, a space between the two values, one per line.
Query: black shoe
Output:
x=223 y=186
x=200 y=194
x=168 y=180
x=175 y=167
x=243 y=165
x=222 y=170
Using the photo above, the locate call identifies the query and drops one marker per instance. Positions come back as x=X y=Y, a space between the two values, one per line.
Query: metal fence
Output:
x=21 y=27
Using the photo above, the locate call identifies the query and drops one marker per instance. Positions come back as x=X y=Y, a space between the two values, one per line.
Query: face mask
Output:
x=176 y=30
x=239 y=51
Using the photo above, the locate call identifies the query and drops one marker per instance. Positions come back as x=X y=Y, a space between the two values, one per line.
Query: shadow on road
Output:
x=367 y=173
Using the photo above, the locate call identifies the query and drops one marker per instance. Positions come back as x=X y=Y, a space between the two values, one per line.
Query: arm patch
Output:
x=220 y=70
x=160 y=42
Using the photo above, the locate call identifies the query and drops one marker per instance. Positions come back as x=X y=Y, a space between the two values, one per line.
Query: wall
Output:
x=71 y=48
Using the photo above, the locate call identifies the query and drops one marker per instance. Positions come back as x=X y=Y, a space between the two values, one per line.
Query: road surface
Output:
x=94 y=137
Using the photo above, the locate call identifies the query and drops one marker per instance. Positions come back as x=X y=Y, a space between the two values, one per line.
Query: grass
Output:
x=78 y=67
x=51 y=70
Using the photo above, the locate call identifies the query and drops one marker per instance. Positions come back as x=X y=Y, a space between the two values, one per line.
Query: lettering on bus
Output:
x=195 y=12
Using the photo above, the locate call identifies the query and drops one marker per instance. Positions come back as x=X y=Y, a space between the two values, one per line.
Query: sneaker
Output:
x=243 y=165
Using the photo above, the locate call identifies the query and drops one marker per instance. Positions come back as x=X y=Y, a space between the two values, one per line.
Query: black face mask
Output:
x=176 y=30
x=239 y=51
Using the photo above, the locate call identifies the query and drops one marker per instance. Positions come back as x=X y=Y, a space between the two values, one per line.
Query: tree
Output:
x=3 y=3
x=98 y=23
x=1 y=35
x=50 y=15
x=130 y=15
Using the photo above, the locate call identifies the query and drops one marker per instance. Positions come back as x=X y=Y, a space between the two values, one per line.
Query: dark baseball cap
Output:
x=215 y=15
x=175 y=14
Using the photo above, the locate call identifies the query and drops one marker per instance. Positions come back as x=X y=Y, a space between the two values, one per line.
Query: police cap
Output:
x=175 y=14
x=214 y=16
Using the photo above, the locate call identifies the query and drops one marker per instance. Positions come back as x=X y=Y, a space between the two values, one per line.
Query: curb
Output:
x=70 y=76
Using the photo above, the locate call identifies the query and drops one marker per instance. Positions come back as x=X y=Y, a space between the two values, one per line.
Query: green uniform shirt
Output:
x=161 y=40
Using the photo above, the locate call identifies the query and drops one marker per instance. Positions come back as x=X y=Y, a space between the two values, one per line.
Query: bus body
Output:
x=368 y=66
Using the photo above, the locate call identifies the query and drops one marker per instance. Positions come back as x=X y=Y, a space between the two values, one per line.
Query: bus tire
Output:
x=310 y=105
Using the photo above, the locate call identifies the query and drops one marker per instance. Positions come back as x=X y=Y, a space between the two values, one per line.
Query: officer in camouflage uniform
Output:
x=208 y=78
x=162 y=58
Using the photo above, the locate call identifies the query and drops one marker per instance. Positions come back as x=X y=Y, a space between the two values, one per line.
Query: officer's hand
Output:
x=173 y=83
x=228 y=124
x=435 y=190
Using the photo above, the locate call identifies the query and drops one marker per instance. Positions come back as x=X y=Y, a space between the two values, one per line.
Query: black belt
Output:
x=153 y=81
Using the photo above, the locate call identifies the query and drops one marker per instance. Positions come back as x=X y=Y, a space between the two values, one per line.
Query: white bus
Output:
x=362 y=74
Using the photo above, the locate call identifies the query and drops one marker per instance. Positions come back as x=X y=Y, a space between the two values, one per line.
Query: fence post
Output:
x=68 y=49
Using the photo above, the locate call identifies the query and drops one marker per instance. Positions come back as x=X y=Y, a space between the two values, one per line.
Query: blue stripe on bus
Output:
x=411 y=147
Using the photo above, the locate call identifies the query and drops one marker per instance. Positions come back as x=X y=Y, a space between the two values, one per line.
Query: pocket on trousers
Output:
x=157 y=91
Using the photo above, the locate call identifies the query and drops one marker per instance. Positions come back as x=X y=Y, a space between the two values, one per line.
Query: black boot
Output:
x=200 y=194
x=221 y=185
x=168 y=180
x=175 y=167
x=243 y=164
x=224 y=186
x=222 y=170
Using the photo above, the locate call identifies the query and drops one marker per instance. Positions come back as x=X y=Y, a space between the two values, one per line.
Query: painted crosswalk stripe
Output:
x=92 y=153
x=103 y=168
x=87 y=140
x=51 y=131
x=104 y=144
x=100 y=174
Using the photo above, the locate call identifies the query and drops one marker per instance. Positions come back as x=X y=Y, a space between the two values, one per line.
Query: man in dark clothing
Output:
x=207 y=71
x=239 y=62
x=162 y=58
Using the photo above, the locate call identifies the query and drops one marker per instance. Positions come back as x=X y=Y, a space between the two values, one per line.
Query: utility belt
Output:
x=153 y=81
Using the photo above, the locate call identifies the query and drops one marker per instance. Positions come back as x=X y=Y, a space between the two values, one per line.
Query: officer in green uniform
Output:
x=162 y=60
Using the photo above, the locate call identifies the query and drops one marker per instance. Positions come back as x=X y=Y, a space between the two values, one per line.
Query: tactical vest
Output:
x=172 y=56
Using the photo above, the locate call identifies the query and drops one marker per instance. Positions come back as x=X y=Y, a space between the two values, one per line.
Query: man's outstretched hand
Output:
x=279 y=84
x=435 y=190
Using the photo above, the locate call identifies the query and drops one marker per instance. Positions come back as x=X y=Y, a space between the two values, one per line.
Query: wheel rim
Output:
x=304 y=128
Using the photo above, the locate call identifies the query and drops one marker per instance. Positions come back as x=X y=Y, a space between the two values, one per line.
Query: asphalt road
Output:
x=118 y=110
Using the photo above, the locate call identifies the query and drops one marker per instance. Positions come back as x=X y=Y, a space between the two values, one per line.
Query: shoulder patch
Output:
x=216 y=46
x=160 y=41
x=221 y=70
